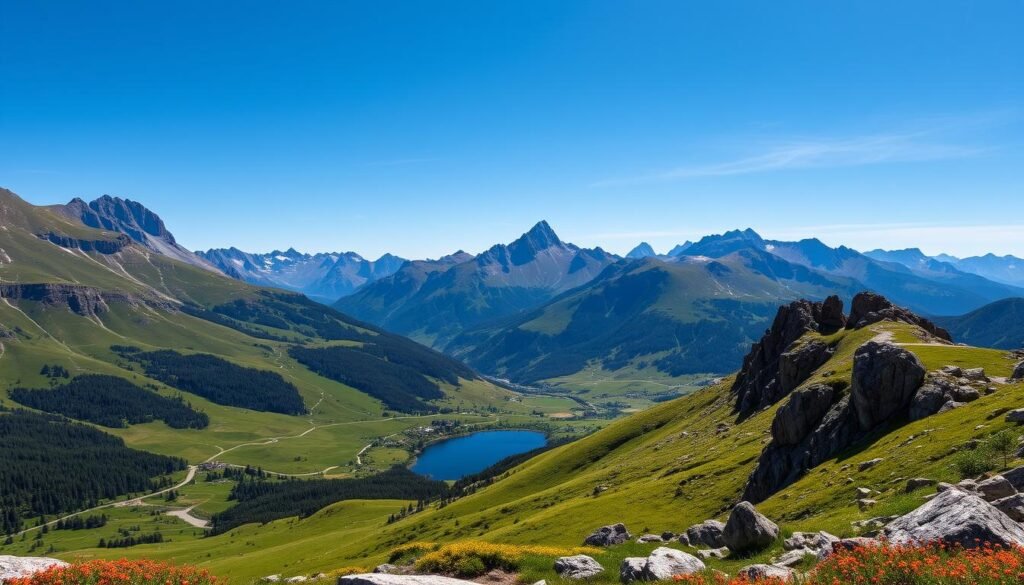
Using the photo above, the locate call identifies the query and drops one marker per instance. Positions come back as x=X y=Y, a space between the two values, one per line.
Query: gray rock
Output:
x=864 y=504
x=794 y=557
x=956 y=517
x=578 y=567
x=667 y=536
x=748 y=529
x=632 y=569
x=802 y=413
x=927 y=401
x=665 y=563
x=798 y=363
x=713 y=553
x=809 y=540
x=868 y=308
x=965 y=394
x=1015 y=477
x=385 y=579
x=866 y=465
x=996 y=488
x=12 y=567
x=975 y=374
x=385 y=568
x=918 y=483
x=707 y=533
x=297 y=579
x=885 y=378
x=1018 y=372
x=1012 y=506
x=950 y=405
x=1015 y=416
x=649 y=538
x=763 y=572
x=608 y=535
x=271 y=579
x=954 y=371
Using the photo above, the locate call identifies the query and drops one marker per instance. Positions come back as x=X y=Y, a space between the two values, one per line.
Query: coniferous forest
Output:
x=111 y=402
x=221 y=381
x=265 y=501
x=50 y=465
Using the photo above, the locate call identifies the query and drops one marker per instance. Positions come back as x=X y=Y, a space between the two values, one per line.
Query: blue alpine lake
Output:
x=462 y=456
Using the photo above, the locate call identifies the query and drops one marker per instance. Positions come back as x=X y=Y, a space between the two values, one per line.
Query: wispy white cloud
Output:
x=817 y=153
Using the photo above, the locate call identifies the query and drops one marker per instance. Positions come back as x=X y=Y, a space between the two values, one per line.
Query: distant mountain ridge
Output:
x=433 y=301
x=999 y=324
x=325 y=277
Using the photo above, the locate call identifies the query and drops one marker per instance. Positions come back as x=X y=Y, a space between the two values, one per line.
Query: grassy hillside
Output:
x=666 y=468
x=999 y=324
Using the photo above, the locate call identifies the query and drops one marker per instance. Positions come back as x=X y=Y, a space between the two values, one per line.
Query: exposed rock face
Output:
x=802 y=413
x=761 y=382
x=707 y=533
x=578 y=567
x=885 y=378
x=1012 y=506
x=385 y=579
x=996 y=488
x=868 y=308
x=1018 y=372
x=83 y=300
x=748 y=529
x=632 y=569
x=15 y=567
x=111 y=246
x=608 y=535
x=956 y=517
x=809 y=540
x=950 y=385
x=665 y=563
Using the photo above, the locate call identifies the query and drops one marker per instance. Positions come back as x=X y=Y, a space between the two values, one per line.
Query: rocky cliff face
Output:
x=133 y=220
x=82 y=300
x=99 y=246
x=869 y=308
x=774 y=367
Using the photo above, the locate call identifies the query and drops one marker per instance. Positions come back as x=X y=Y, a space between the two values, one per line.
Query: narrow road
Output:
x=186 y=515
x=132 y=502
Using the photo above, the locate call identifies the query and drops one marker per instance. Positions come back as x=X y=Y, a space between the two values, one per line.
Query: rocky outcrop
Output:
x=885 y=378
x=578 y=567
x=82 y=300
x=956 y=517
x=748 y=529
x=665 y=563
x=820 y=421
x=761 y=382
x=949 y=386
x=869 y=308
x=109 y=246
x=15 y=567
x=707 y=533
x=1018 y=372
x=632 y=569
x=608 y=535
x=813 y=541
x=386 y=579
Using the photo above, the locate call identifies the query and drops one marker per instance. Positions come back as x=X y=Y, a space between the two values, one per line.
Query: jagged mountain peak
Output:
x=643 y=250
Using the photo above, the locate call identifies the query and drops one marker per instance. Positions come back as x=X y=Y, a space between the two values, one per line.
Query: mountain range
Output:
x=324 y=277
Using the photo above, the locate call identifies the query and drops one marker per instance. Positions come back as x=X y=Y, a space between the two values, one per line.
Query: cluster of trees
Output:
x=220 y=319
x=111 y=402
x=265 y=501
x=54 y=371
x=237 y=473
x=398 y=386
x=292 y=312
x=133 y=540
x=408 y=511
x=82 y=522
x=50 y=465
x=221 y=381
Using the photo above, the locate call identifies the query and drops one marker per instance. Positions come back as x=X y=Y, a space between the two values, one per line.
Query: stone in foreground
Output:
x=14 y=567
x=578 y=567
x=765 y=572
x=385 y=579
x=608 y=535
x=707 y=533
x=665 y=563
x=956 y=517
x=632 y=569
x=748 y=529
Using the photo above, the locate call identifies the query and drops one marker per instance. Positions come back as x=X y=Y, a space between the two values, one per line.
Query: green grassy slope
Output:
x=676 y=464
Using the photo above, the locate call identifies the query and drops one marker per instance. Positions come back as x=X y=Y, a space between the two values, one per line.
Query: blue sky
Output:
x=419 y=128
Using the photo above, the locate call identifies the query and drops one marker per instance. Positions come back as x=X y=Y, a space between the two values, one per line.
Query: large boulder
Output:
x=996 y=488
x=385 y=579
x=665 y=563
x=632 y=569
x=1012 y=506
x=868 y=308
x=802 y=413
x=759 y=382
x=885 y=378
x=956 y=517
x=1018 y=372
x=708 y=533
x=1015 y=477
x=15 y=567
x=809 y=540
x=748 y=529
x=608 y=535
x=578 y=567
x=928 y=400
x=799 y=362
